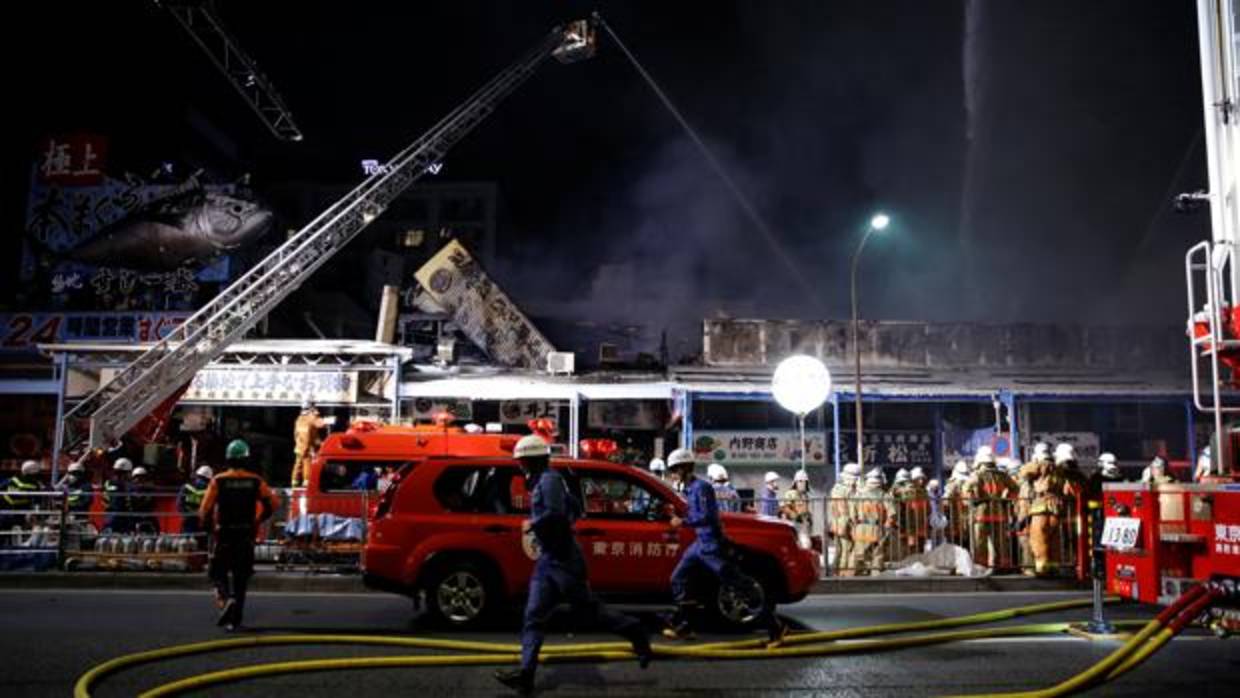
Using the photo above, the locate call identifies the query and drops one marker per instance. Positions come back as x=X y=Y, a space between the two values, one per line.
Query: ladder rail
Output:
x=114 y=407
x=206 y=29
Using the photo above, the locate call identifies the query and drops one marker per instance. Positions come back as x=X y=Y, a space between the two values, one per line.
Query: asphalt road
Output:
x=48 y=638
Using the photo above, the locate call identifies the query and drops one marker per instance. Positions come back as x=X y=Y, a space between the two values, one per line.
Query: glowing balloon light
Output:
x=801 y=384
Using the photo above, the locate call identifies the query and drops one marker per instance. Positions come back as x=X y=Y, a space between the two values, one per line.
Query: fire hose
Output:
x=812 y=644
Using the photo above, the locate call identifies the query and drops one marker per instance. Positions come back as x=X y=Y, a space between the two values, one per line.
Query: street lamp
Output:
x=800 y=385
x=878 y=223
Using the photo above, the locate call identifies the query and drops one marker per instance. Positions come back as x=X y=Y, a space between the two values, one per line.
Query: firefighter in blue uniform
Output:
x=117 y=498
x=709 y=552
x=560 y=572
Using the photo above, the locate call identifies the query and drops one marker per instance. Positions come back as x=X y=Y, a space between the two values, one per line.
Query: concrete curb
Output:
x=333 y=583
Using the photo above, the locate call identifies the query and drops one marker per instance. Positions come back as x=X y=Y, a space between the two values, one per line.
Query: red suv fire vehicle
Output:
x=448 y=534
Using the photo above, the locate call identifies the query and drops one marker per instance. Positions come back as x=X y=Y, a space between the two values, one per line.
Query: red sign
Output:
x=75 y=159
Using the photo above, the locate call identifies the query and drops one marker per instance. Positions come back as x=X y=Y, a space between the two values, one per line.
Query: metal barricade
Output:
x=867 y=536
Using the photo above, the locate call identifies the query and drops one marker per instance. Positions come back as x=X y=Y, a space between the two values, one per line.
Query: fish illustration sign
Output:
x=121 y=245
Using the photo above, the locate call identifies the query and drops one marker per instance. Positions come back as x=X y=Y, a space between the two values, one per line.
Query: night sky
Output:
x=1027 y=151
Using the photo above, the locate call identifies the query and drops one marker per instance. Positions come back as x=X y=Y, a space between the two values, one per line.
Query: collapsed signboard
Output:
x=485 y=314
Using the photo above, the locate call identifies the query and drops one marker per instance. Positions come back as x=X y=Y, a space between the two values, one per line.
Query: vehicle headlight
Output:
x=803 y=541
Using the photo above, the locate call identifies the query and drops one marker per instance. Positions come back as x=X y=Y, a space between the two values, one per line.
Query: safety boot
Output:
x=227 y=611
x=519 y=680
x=776 y=634
x=641 y=648
x=678 y=627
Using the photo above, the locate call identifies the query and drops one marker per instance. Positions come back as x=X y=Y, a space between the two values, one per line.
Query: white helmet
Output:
x=1159 y=462
x=933 y=487
x=657 y=465
x=853 y=469
x=472 y=428
x=1064 y=453
x=139 y=471
x=31 y=467
x=771 y=476
x=961 y=470
x=1041 y=451
x=985 y=454
x=801 y=476
x=531 y=446
x=1110 y=469
x=680 y=456
x=307 y=404
x=917 y=474
x=1106 y=458
x=123 y=465
x=901 y=475
x=717 y=472
x=875 y=476
x=77 y=467
x=205 y=471
x=1006 y=464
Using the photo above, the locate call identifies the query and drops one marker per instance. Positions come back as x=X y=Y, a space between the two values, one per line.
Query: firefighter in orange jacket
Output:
x=235 y=503
x=992 y=495
x=307 y=435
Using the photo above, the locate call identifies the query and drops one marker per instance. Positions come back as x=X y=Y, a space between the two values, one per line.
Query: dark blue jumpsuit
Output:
x=708 y=550
x=560 y=572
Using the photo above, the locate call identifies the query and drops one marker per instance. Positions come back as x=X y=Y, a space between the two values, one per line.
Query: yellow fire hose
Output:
x=1137 y=649
x=814 y=644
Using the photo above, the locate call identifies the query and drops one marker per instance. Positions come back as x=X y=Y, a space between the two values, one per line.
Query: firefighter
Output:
x=560 y=572
x=142 y=502
x=1158 y=472
x=116 y=498
x=991 y=494
x=17 y=498
x=873 y=521
x=957 y=508
x=189 y=499
x=235 y=503
x=768 y=501
x=795 y=506
x=76 y=486
x=842 y=494
x=659 y=468
x=914 y=512
x=725 y=493
x=307 y=435
x=900 y=482
x=1052 y=492
x=709 y=552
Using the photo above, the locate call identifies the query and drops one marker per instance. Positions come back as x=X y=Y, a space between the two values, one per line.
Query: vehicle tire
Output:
x=461 y=593
x=738 y=606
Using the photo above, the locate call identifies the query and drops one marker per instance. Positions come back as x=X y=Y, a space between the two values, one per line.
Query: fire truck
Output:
x=1162 y=541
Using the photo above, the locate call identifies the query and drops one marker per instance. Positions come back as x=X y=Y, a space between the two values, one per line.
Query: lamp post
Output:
x=878 y=223
x=800 y=385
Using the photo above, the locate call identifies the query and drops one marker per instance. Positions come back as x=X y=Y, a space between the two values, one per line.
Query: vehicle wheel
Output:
x=738 y=605
x=461 y=594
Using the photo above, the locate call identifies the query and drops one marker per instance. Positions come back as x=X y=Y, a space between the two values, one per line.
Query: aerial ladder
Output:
x=200 y=20
x=1211 y=269
x=162 y=371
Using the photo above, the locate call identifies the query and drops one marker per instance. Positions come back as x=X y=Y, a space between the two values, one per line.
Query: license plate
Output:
x=1121 y=532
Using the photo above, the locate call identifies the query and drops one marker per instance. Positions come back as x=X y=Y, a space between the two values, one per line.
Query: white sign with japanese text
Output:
x=266 y=386
x=764 y=447
x=485 y=314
